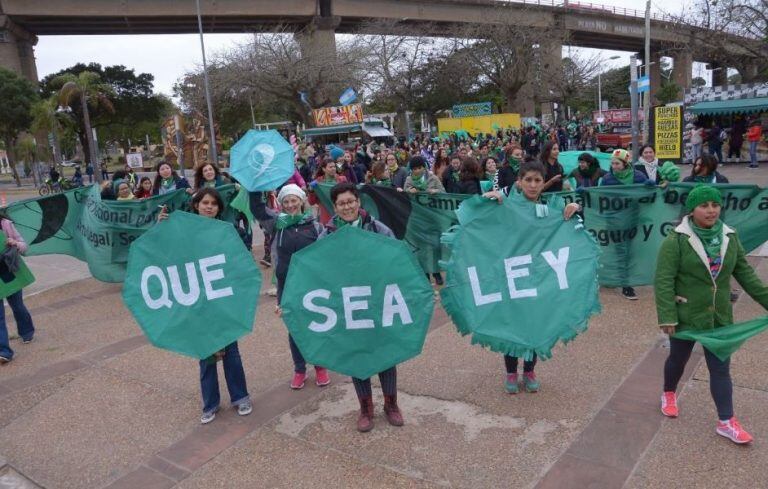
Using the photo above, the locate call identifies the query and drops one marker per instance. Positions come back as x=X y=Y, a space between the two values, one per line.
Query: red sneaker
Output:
x=732 y=430
x=298 y=380
x=669 y=404
x=321 y=376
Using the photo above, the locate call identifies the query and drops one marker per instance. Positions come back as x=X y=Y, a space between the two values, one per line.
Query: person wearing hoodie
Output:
x=346 y=204
x=452 y=175
x=648 y=164
x=295 y=229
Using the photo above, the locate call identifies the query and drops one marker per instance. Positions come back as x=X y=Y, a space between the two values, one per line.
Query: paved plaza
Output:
x=90 y=404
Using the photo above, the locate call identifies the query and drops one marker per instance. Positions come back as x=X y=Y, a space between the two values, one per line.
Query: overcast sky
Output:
x=168 y=57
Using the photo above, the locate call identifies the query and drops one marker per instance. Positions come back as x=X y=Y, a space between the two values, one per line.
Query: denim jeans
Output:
x=299 y=364
x=233 y=373
x=717 y=151
x=753 y=153
x=23 y=322
x=696 y=151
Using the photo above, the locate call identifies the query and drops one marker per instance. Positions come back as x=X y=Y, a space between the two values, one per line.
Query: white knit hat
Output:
x=291 y=189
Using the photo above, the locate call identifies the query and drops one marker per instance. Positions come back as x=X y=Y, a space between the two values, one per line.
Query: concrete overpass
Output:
x=588 y=25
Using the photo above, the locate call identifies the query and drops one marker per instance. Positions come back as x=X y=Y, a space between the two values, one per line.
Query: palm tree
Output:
x=26 y=151
x=46 y=119
x=91 y=92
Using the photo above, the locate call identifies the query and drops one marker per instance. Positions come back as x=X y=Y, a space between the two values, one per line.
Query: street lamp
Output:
x=600 y=90
x=214 y=157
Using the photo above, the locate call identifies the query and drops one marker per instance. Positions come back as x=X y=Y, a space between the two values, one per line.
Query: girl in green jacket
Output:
x=693 y=272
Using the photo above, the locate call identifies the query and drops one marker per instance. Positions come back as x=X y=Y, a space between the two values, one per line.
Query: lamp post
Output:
x=214 y=156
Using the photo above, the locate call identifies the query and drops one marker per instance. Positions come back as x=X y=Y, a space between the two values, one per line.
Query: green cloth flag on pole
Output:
x=192 y=285
x=519 y=293
x=725 y=340
x=12 y=282
x=360 y=311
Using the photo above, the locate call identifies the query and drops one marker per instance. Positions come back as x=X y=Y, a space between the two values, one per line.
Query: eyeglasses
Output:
x=346 y=203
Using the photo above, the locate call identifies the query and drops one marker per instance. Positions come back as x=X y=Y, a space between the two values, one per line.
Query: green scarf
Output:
x=287 y=220
x=385 y=181
x=421 y=182
x=209 y=184
x=711 y=238
x=625 y=176
x=514 y=163
x=168 y=182
x=330 y=179
x=340 y=223
x=703 y=179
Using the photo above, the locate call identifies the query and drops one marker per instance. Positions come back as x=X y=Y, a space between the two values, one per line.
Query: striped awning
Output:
x=738 y=106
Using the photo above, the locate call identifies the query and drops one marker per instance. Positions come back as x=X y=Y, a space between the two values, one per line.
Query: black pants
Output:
x=388 y=379
x=299 y=364
x=511 y=364
x=720 y=385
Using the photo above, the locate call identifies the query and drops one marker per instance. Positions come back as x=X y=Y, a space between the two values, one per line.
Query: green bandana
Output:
x=340 y=223
x=514 y=163
x=209 y=184
x=287 y=220
x=386 y=182
x=711 y=238
x=626 y=176
x=421 y=182
x=168 y=182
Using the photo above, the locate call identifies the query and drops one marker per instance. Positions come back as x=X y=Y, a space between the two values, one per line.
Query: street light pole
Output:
x=633 y=103
x=599 y=97
x=647 y=94
x=214 y=156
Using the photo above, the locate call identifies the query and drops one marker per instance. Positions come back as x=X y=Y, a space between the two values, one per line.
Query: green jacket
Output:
x=686 y=293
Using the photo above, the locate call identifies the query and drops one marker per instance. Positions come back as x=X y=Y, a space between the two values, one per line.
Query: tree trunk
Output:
x=92 y=156
x=12 y=160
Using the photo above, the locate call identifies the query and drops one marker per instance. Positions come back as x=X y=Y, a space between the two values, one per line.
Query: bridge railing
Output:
x=579 y=6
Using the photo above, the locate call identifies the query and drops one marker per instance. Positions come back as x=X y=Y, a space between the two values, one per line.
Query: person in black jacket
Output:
x=295 y=229
x=705 y=171
x=469 y=181
x=452 y=175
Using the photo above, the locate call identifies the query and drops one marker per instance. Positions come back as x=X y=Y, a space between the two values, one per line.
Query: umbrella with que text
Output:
x=262 y=160
x=360 y=311
x=191 y=285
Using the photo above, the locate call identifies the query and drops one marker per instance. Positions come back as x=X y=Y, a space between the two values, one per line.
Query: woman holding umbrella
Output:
x=208 y=203
x=346 y=204
x=295 y=229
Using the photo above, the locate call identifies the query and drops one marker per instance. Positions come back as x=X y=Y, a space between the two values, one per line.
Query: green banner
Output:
x=370 y=314
x=629 y=222
x=12 y=282
x=725 y=340
x=502 y=287
x=192 y=285
x=80 y=224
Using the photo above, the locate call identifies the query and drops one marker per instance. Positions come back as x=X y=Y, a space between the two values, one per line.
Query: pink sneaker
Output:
x=321 y=376
x=669 y=404
x=298 y=380
x=732 y=430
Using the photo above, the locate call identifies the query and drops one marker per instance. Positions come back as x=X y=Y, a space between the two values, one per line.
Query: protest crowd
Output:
x=323 y=198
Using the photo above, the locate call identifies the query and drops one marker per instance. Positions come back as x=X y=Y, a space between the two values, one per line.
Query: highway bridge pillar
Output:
x=654 y=70
x=17 y=49
x=719 y=74
x=318 y=42
x=682 y=71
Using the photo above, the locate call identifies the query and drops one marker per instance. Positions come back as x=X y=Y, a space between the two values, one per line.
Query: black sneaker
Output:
x=4 y=359
x=629 y=293
x=266 y=262
x=438 y=278
x=27 y=341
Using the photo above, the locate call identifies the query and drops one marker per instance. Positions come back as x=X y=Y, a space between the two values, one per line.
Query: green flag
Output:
x=81 y=224
x=12 y=282
x=519 y=293
x=191 y=285
x=724 y=341
x=360 y=311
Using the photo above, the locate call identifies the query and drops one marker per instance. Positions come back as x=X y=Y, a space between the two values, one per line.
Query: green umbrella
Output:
x=361 y=311
x=191 y=285
x=529 y=290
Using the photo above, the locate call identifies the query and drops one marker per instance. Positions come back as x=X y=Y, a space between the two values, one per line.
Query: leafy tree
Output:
x=47 y=119
x=132 y=102
x=17 y=95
